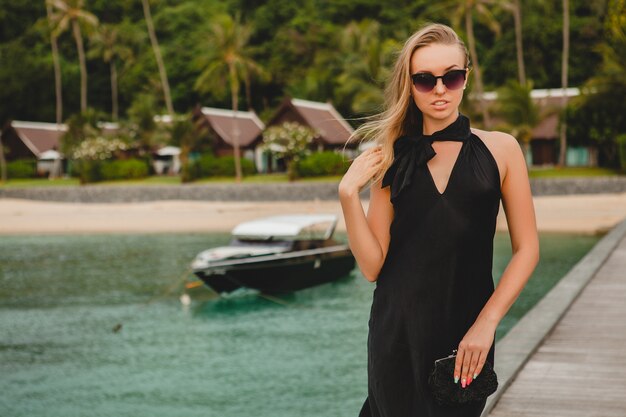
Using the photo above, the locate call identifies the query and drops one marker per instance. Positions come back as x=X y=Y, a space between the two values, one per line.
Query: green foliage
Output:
x=337 y=50
x=209 y=165
x=142 y=112
x=87 y=170
x=98 y=148
x=290 y=141
x=518 y=109
x=80 y=127
x=621 y=143
x=92 y=170
x=321 y=164
x=598 y=114
x=599 y=118
x=123 y=169
x=366 y=64
x=22 y=168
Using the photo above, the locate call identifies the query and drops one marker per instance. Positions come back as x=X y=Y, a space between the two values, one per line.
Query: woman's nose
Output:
x=439 y=87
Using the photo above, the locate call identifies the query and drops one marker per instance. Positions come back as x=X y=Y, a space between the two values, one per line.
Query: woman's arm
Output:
x=520 y=215
x=368 y=236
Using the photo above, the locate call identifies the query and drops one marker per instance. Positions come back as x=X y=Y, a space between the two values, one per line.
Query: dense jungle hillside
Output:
x=337 y=50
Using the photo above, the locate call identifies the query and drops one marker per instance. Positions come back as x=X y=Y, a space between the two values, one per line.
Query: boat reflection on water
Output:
x=276 y=254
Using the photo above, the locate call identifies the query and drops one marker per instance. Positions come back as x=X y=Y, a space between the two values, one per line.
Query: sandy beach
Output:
x=585 y=213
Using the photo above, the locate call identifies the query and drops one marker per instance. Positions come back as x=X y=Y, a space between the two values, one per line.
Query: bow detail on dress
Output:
x=412 y=151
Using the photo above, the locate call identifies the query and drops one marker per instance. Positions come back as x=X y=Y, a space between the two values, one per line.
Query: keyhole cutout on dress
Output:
x=446 y=163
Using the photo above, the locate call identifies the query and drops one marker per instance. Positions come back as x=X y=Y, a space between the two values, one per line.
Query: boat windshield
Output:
x=287 y=227
x=270 y=243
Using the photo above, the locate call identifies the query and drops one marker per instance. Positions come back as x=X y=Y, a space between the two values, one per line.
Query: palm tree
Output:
x=365 y=65
x=564 y=70
x=106 y=44
x=58 y=90
x=71 y=13
x=516 y=11
x=3 y=162
x=464 y=11
x=228 y=63
x=157 y=55
x=520 y=113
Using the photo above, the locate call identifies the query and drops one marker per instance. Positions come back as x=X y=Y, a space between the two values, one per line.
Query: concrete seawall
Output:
x=297 y=191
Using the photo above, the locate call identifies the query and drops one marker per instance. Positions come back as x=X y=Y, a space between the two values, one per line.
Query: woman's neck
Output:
x=433 y=125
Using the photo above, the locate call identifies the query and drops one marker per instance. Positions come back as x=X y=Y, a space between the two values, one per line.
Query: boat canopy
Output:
x=288 y=227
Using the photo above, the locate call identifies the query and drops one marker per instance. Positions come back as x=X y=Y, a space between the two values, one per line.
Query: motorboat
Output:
x=276 y=254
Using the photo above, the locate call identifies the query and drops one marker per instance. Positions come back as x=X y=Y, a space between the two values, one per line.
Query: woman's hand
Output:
x=472 y=351
x=362 y=169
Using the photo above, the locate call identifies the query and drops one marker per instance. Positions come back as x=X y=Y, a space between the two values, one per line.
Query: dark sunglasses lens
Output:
x=453 y=80
x=424 y=82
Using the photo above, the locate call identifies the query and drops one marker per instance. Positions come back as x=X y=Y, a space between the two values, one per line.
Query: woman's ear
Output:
x=467 y=78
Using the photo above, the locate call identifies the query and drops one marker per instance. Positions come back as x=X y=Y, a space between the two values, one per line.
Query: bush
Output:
x=123 y=169
x=323 y=163
x=210 y=166
x=87 y=170
x=22 y=168
x=621 y=143
x=93 y=171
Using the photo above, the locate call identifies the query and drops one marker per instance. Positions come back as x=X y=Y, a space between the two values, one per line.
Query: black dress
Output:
x=437 y=275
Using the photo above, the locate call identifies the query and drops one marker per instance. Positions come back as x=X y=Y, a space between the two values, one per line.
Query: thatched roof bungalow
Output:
x=223 y=125
x=29 y=140
x=332 y=129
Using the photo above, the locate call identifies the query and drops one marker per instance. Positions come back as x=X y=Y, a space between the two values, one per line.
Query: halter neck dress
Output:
x=437 y=274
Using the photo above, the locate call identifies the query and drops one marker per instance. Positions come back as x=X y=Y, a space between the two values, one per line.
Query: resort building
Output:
x=35 y=141
x=224 y=126
x=544 y=144
x=332 y=129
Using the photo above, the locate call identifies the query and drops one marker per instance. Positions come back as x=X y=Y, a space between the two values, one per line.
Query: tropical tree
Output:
x=80 y=126
x=186 y=135
x=596 y=115
x=463 y=12
x=157 y=55
x=564 y=70
x=290 y=141
x=106 y=43
x=227 y=63
x=71 y=13
x=520 y=113
x=516 y=11
x=366 y=59
x=58 y=90
x=141 y=115
x=3 y=162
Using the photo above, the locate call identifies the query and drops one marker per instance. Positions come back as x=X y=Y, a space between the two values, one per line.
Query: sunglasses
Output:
x=453 y=80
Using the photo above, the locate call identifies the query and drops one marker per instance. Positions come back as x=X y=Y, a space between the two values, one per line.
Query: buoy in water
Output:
x=185 y=299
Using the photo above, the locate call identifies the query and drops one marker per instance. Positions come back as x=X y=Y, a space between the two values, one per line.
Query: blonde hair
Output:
x=400 y=115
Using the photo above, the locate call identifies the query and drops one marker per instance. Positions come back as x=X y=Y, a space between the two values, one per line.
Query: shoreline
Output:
x=572 y=213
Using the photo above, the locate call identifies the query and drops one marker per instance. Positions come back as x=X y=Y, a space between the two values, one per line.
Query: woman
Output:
x=427 y=238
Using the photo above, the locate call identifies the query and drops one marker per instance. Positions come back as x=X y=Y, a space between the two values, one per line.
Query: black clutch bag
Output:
x=446 y=392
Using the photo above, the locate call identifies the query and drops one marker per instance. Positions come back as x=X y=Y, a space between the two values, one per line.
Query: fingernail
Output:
x=469 y=381
x=475 y=375
x=463 y=382
x=456 y=379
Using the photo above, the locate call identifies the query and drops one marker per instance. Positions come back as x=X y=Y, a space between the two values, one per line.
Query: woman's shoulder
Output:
x=495 y=138
x=503 y=146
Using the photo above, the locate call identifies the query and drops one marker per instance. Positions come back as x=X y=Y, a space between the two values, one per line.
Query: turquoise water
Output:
x=61 y=297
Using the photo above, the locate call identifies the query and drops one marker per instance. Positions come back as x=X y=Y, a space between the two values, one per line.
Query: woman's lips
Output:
x=439 y=104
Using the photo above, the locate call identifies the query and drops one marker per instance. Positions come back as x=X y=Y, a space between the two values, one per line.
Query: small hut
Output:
x=332 y=129
x=37 y=141
x=223 y=125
